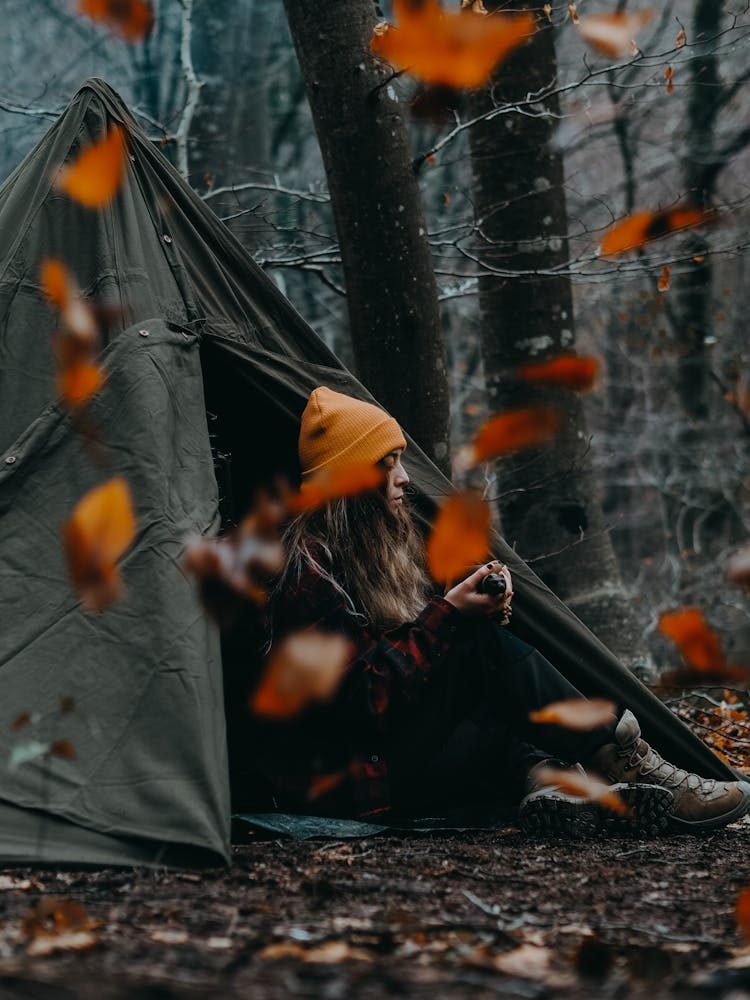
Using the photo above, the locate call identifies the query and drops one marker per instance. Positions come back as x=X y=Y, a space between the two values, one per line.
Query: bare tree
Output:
x=390 y=283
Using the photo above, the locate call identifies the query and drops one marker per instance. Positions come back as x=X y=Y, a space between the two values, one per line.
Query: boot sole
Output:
x=649 y=811
x=695 y=826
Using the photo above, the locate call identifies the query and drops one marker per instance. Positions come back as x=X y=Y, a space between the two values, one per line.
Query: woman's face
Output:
x=395 y=477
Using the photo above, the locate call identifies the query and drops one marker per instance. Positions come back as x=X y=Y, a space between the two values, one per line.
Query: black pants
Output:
x=470 y=738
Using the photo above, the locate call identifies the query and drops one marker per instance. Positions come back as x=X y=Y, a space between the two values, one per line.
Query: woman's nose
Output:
x=402 y=477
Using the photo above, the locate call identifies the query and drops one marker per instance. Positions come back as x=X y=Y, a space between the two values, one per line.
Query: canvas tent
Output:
x=196 y=321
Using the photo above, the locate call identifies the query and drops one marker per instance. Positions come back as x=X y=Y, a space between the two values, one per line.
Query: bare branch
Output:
x=193 y=88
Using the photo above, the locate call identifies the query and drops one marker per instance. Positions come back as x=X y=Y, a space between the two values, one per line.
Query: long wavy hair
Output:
x=371 y=553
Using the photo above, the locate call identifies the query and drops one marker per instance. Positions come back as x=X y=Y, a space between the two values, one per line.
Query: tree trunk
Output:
x=388 y=271
x=548 y=498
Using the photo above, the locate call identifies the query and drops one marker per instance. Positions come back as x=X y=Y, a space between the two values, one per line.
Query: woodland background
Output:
x=435 y=254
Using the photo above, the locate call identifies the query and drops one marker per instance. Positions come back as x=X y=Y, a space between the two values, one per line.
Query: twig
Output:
x=193 y=87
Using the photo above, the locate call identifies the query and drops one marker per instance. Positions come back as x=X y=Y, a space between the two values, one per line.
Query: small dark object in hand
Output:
x=493 y=583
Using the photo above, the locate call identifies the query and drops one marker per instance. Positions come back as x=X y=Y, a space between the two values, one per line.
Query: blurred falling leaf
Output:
x=742 y=913
x=568 y=370
x=63 y=749
x=322 y=784
x=131 y=19
x=578 y=714
x=669 y=77
x=664 y=279
x=459 y=537
x=77 y=383
x=738 y=568
x=583 y=785
x=76 y=315
x=699 y=645
x=573 y=13
x=305 y=667
x=525 y=428
x=95 y=177
x=612 y=34
x=635 y=230
x=100 y=529
x=341 y=483
x=458 y=49
x=21 y=720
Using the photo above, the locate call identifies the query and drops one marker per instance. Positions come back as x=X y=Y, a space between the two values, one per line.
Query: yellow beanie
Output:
x=338 y=431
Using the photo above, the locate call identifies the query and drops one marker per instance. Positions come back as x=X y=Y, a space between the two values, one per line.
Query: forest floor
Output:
x=487 y=914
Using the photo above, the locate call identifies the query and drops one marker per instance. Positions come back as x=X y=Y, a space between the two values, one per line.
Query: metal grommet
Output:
x=374 y=758
x=167 y=238
x=10 y=460
x=143 y=333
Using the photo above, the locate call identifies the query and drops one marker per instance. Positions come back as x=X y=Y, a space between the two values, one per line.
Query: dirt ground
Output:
x=441 y=916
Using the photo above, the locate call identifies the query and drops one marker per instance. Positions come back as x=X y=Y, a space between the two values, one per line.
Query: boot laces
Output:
x=642 y=756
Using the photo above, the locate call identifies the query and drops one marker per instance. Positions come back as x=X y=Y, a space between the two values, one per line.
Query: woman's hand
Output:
x=469 y=601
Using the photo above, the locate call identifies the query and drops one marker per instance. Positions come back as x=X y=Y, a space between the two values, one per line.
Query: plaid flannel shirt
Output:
x=383 y=679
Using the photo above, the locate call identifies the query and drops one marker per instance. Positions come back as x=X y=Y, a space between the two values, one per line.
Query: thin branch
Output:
x=277 y=188
x=193 y=87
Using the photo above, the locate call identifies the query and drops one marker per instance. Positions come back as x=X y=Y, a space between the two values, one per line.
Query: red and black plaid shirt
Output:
x=384 y=677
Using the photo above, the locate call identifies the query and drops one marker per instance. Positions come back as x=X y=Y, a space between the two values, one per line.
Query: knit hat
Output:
x=338 y=432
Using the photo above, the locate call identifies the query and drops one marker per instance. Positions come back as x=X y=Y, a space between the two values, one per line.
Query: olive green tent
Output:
x=137 y=690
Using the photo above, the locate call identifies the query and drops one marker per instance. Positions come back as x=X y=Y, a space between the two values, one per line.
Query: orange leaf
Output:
x=681 y=39
x=62 y=292
x=100 y=529
x=582 y=785
x=94 y=178
x=508 y=432
x=305 y=667
x=699 y=646
x=131 y=19
x=56 y=282
x=640 y=228
x=548 y=11
x=579 y=714
x=446 y=47
x=341 y=483
x=664 y=279
x=568 y=370
x=611 y=34
x=63 y=748
x=742 y=912
x=21 y=720
x=669 y=77
x=460 y=536
x=573 y=13
x=322 y=784
x=77 y=383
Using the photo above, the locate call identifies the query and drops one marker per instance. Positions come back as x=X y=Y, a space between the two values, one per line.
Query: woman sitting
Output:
x=433 y=707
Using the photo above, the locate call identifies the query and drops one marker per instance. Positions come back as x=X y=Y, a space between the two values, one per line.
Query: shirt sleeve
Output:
x=386 y=669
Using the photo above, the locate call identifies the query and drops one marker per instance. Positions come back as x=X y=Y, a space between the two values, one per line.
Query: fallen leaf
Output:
x=742 y=912
x=698 y=644
x=169 y=935
x=95 y=177
x=328 y=953
x=574 y=372
x=664 y=279
x=48 y=944
x=56 y=924
x=219 y=943
x=669 y=77
x=444 y=47
x=305 y=667
x=579 y=714
x=528 y=427
x=681 y=39
x=612 y=34
x=642 y=227
x=527 y=962
x=329 y=486
x=8 y=883
x=585 y=786
x=131 y=19
x=100 y=529
x=459 y=537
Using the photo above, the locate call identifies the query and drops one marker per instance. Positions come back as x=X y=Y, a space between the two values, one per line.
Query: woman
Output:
x=434 y=703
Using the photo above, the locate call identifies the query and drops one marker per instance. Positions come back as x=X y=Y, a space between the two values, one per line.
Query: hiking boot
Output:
x=699 y=803
x=547 y=810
